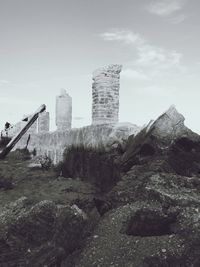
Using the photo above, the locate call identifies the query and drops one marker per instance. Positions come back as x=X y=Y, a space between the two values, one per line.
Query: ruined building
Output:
x=33 y=128
x=105 y=95
x=63 y=111
x=43 y=122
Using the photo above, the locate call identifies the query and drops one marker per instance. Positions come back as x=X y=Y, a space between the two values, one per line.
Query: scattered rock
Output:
x=146 y=205
x=147 y=222
x=35 y=235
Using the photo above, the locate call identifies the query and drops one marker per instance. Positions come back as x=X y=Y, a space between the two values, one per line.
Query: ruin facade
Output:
x=63 y=111
x=105 y=110
x=105 y=95
x=33 y=128
x=43 y=122
x=14 y=129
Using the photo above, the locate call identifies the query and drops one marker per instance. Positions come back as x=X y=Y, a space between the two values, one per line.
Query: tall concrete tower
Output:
x=63 y=111
x=105 y=95
x=43 y=122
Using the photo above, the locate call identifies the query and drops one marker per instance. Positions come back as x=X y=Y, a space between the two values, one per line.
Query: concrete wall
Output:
x=33 y=128
x=53 y=144
x=43 y=122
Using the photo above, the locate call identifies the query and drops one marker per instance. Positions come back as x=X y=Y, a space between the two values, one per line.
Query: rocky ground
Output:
x=147 y=215
x=40 y=219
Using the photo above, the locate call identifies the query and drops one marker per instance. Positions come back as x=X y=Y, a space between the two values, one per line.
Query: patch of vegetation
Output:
x=4 y=141
x=37 y=184
x=95 y=165
x=19 y=155
x=82 y=148
x=34 y=152
x=58 y=168
x=6 y=180
x=45 y=162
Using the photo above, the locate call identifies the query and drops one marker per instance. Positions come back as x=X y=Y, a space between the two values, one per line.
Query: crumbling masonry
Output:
x=105 y=95
x=105 y=110
x=63 y=111
x=43 y=122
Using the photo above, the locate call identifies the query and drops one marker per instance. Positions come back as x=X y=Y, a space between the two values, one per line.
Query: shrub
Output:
x=58 y=168
x=4 y=141
x=34 y=152
x=45 y=162
x=20 y=154
x=94 y=165
x=6 y=180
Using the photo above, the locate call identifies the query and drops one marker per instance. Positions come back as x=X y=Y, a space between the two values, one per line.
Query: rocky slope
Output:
x=152 y=215
x=148 y=216
x=35 y=235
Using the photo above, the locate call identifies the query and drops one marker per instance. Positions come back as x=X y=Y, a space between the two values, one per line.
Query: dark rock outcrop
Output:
x=153 y=218
x=165 y=139
x=39 y=235
x=110 y=245
x=147 y=198
x=92 y=165
x=150 y=222
x=6 y=181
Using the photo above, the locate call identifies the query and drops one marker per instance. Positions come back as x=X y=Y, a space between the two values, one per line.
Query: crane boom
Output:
x=19 y=135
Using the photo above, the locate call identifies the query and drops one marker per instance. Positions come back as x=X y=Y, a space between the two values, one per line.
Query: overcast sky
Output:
x=46 y=45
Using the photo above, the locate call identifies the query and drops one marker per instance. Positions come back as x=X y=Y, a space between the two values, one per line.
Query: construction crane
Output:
x=19 y=135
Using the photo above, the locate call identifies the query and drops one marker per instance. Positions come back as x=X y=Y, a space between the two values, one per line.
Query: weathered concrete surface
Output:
x=53 y=144
x=43 y=122
x=13 y=130
x=63 y=111
x=105 y=94
x=33 y=128
x=41 y=125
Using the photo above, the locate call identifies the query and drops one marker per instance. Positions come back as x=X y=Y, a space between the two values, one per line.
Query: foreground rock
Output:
x=149 y=216
x=39 y=235
x=152 y=219
x=112 y=245
x=165 y=231
x=167 y=138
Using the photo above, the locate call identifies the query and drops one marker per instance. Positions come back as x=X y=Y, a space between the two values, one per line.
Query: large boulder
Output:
x=39 y=235
x=169 y=125
x=143 y=234
x=151 y=216
x=163 y=138
x=119 y=241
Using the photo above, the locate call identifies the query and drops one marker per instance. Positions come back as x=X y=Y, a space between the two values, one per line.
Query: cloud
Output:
x=148 y=55
x=178 y=19
x=152 y=56
x=124 y=36
x=3 y=82
x=154 y=91
x=165 y=8
x=129 y=73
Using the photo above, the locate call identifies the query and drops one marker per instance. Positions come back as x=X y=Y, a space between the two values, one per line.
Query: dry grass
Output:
x=37 y=184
